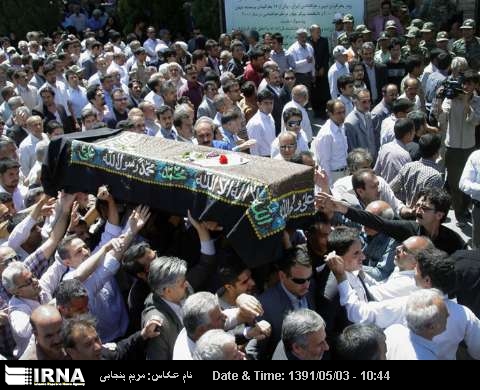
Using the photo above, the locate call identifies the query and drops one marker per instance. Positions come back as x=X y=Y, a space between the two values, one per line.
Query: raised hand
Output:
x=139 y=218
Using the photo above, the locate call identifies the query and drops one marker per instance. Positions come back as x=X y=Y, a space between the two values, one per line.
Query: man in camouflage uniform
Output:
x=442 y=42
x=348 y=22
x=428 y=36
x=412 y=47
x=468 y=46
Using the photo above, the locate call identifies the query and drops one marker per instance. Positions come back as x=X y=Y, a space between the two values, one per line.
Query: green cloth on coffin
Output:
x=253 y=201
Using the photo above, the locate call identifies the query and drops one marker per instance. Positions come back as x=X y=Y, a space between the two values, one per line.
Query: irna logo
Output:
x=22 y=376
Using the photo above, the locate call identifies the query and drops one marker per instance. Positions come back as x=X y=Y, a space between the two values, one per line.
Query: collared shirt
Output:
x=387 y=133
x=26 y=152
x=330 y=148
x=335 y=71
x=152 y=127
x=343 y=189
x=398 y=284
x=470 y=180
x=403 y=344
x=230 y=138
x=348 y=102
x=300 y=54
x=302 y=145
x=155 y=99
x=262 y=129
x=177 y=309
x=460 y=127
x=297 y=303
x=105 y=300
x=462 y=324
x=391 y=158
x=184 y=347
x=18 y=196
x=380 y=253
x=167 y=134
x=414 y=177
x=284 y=61
x=78 y=97
x=30 y=96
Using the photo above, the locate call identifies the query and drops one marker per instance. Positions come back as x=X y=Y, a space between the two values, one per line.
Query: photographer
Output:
x=459 y=114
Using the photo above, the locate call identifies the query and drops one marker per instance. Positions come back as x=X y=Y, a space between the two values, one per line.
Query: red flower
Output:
x=223 y=159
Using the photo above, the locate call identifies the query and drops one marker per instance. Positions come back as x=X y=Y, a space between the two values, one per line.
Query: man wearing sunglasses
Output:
x=292 y=117
x=293 y=291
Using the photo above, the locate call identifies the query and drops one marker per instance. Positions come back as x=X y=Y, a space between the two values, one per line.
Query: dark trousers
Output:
x=476 y=225
x=320 y=96
x=455 y=160
x=305 y=79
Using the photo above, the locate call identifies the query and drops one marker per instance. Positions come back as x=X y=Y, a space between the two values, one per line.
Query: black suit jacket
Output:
x=17 y=133
x=467 y=273
x=277 y=111
x=276 y=306
x=161 y=347
x=381 y=77
x=321 y=53
x=68 y=122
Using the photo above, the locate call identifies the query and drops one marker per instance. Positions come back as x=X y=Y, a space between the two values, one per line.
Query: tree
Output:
x=170 y=14
x=21 y=16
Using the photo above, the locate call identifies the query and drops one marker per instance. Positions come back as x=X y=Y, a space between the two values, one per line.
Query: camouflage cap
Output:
x=348 y=18
x=413 y=32
x=428 y=27
x=468 y=23
x=442 y=36
x=361 y=28
x=383 y=37
x=343 y=39
x=390 y=24
x=416 y=23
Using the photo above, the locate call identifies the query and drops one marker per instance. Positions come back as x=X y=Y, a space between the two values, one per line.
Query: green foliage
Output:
x=169 y=14
x=21 y=16
x=207 y=17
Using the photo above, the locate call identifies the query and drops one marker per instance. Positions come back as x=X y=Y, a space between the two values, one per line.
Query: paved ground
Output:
x=465 y=232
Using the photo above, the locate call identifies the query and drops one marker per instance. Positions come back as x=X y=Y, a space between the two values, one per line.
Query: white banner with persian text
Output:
x=286 y=16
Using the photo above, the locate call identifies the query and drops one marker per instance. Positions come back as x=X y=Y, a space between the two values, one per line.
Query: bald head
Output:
x=381 y=209
x=45 y=315
x=47 y=327
x=418 y=243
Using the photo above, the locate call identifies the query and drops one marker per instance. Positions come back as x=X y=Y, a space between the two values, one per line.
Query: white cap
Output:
x=339 y=50
x=337 y=17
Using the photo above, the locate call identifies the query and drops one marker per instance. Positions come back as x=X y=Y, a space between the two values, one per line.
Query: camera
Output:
x=452 y=88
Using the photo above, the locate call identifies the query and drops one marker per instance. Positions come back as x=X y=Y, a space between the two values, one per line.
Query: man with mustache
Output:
x=431 y=211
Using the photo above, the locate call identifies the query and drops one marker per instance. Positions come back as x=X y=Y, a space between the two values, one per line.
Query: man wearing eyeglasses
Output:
x=120 y=109
x=431 y=211
x=292 y=292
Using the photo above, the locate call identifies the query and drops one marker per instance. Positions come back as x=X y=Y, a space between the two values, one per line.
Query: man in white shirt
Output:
x=337 y=69
x=26 y=150
x=330 y=145
x=434 y=270
x=426 y=315
x=262 y=125
x=470 y=185
x=402 y=280
x=304 y=56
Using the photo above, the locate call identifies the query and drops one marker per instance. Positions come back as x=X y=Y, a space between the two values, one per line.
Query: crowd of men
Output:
x=375 y=274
